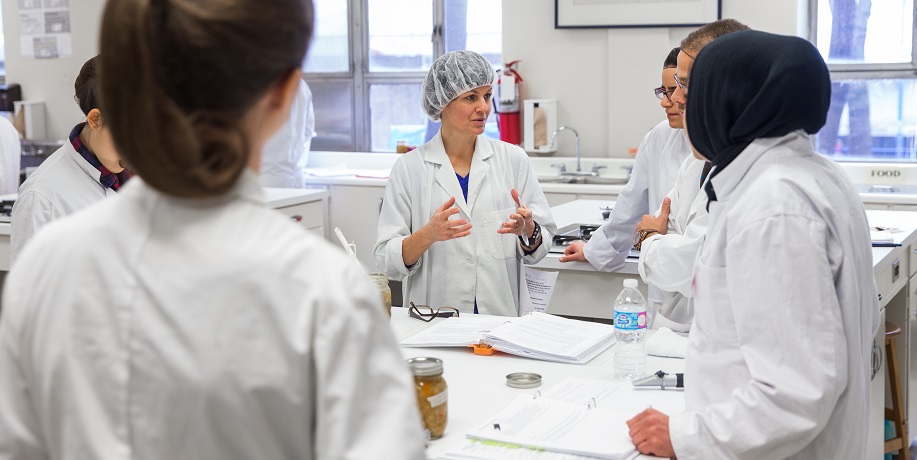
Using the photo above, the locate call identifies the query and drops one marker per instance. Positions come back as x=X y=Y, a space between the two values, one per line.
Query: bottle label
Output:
x=438 y=398
x=630 y=320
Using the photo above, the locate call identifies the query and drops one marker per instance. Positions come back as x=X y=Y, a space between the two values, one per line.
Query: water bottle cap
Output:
x=630 y=283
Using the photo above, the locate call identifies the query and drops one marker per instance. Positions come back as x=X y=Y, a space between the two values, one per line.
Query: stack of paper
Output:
x=552 y=338
x=538 y=335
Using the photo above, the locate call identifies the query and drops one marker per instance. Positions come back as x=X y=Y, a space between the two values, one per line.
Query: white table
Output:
x=477 y=384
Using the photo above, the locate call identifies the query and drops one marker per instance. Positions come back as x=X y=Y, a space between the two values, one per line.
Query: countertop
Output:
x=274 y=197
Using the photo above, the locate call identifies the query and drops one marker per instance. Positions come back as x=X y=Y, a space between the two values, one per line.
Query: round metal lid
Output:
x=523 y=380
x=425 y=367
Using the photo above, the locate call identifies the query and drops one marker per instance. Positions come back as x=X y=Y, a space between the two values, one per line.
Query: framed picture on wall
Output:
x=581 y=14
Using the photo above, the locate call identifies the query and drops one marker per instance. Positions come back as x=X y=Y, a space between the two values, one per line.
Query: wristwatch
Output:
x=532 y=239
x=642 y=235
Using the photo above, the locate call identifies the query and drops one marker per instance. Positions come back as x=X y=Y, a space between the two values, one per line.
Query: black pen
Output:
x=878 y=244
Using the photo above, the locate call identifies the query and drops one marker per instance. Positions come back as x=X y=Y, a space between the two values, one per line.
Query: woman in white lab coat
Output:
x=661 y=152
x=463 y=212
x=84 y=171
x=185 y=319
x=778 y=365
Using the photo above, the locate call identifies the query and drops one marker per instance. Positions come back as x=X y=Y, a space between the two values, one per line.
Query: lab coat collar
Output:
x=445 y=174
x=246 y=188
x=87 y=168
x=729 y=179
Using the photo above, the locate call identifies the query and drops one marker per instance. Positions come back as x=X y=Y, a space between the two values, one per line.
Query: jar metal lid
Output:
x=424 y=367
x=523 y=380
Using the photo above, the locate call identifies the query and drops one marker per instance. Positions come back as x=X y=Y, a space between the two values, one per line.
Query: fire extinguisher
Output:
x=509 y=87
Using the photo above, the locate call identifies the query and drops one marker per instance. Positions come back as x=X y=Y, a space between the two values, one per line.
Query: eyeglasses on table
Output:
x=427 y=313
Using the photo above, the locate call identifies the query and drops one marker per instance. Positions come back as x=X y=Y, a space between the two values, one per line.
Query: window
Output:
x=368 y=59
x=870 y=49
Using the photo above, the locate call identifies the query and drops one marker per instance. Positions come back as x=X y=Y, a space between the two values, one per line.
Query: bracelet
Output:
x=642 y=235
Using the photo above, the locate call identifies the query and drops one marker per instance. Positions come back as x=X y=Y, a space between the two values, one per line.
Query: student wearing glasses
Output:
x=668 y=241
x=185 y=319
x=656 y=165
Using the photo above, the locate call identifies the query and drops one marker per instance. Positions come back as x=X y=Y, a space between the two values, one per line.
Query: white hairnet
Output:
x=454 y=73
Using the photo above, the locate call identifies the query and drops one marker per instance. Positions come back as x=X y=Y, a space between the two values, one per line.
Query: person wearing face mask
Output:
x=463 y=212
x=85 y=170
x=656 y=166
x=786 y=304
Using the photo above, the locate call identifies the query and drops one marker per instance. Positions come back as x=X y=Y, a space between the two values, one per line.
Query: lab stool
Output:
x=896 y=413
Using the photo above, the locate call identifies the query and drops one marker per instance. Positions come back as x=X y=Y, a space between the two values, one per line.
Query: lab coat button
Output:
x=472 y=261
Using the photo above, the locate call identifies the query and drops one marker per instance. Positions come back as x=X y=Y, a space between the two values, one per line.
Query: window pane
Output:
x=871 y=120
x=329 y=50
x=400 y=34
x=475 y=25
x=333 y=102
x=396 y=115
x=887 y=37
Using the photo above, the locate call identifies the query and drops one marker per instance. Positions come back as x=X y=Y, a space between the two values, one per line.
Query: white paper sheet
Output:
x=540 y=287
x=559 y=427
x=44 y=29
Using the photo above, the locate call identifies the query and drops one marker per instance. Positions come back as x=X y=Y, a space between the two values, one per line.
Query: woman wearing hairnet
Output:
x=462 y=212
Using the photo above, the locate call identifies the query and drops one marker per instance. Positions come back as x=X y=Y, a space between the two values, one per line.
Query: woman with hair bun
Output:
x=186 y=319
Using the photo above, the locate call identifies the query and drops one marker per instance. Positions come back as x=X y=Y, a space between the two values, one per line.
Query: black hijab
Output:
x=749 y=85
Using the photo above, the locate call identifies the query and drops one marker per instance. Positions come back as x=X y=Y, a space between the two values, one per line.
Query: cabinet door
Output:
x=555 y=199
x=309 y=215
x=355 y=210
x=875 y=443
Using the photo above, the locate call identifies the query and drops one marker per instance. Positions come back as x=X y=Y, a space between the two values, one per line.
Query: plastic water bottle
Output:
x=630 y=329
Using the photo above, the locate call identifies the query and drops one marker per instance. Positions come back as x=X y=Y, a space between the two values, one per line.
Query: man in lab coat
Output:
x=670 y=239
x=779 y=356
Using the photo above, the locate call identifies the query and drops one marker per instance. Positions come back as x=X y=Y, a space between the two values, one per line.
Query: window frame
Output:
x=856 y=71
x=362 y=78
x=867 y=71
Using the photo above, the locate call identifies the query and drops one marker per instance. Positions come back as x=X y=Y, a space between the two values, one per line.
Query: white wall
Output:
x=603 y=78
x=51 y=80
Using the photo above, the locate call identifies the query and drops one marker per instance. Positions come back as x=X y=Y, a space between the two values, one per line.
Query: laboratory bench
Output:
x=307 y=207
x=477 y=384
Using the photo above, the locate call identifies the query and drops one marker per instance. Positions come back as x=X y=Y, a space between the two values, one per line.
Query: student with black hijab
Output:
x=786 y=309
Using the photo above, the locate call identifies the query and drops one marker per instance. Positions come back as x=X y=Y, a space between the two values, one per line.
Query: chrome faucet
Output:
x=554 y=145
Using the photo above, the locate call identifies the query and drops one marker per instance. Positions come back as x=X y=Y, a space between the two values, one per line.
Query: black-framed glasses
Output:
x=427 y=313
x=660 y=92
x=683 y=86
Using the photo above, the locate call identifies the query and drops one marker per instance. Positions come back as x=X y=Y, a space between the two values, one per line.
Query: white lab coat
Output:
x=655 y=167
x=284 y=157
x=197 y=329
x=484 y=265
x=779 y=356
x=63 y=184
x=10 y=157
x=667 y=261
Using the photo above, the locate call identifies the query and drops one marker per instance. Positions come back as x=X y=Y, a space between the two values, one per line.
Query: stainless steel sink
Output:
x=583 y=180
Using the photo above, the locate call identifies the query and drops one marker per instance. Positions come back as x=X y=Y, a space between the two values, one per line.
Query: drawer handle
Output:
x=296 y=218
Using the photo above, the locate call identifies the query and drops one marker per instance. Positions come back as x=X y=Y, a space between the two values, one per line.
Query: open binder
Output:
x=577 y=417
x=538 y=336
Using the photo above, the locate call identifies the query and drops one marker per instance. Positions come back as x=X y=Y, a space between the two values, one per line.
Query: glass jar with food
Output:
x=432 y=394
x=381 y=280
